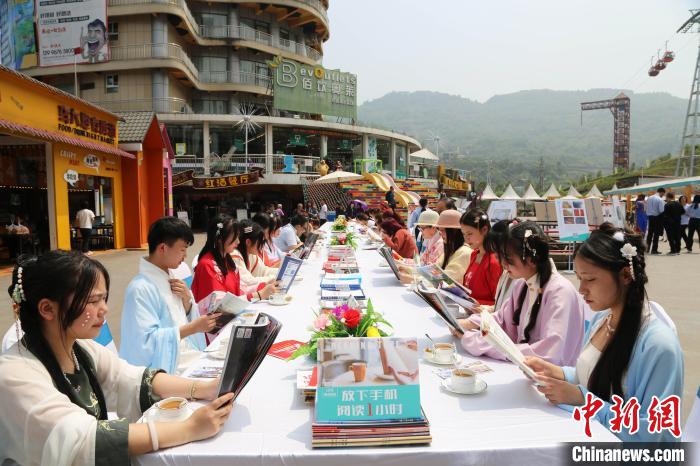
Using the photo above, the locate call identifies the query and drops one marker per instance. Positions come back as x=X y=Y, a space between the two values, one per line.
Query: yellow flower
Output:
x=373 y=332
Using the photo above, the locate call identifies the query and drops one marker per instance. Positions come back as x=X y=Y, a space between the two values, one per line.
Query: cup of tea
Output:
x=171 y=409
x=359 y=370
x=444 y=352
x=463 y=380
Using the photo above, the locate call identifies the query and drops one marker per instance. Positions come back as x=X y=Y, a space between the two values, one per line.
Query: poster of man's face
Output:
x=94 y=42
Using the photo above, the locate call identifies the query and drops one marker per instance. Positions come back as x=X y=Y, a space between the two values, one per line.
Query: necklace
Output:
x=77 y=369
x=609 y=328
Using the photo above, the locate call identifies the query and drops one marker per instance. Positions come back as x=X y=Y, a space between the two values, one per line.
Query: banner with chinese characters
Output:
x=313 y=89
x=367 y=379
x=215 y=182
x=64 y=26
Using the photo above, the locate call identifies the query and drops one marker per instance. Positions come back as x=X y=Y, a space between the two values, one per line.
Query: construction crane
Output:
x=620 y=109
x=690 y=140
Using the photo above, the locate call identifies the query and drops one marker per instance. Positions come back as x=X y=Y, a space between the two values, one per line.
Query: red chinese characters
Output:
x=626 y=415
x=587 y=411
x=665 y=415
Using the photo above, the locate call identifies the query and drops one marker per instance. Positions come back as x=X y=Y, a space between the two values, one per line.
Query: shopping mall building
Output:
x=230 y=78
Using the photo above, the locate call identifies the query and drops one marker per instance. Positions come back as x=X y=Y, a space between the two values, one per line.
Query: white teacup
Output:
x=444 y=352
x=278 y=298
x=463 y=380
x=171 y=409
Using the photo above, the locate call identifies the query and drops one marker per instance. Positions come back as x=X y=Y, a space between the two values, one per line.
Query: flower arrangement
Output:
x=343 y=239
x=340 y=224
x=343 y=321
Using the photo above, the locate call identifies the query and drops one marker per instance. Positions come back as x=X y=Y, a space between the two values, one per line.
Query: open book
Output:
x=385 y=252
x=460 y=296
x=288 y=270
x=227 y=303
x=434 y=299
x=497 y=337
x=247 y=347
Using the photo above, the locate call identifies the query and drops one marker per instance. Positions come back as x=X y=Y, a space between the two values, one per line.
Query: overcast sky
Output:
x=481 y=48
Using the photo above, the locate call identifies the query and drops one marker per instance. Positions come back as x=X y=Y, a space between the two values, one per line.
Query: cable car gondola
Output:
x=668 y=54
x=652 y=70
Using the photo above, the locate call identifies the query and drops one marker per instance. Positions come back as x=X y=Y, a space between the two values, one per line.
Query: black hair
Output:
x=299 y=220
x=476 y=218
x=263 y=220
x=98 y=24
x=670 y=195
x=249 y=230
x=661 y=190
x=603 y=250
x=533 y=248
x=696 y=201
x=67 y=278
x=362 y=217
x=168 y=230
x=216 y=237
x=423 y=202
x=85 y=204
x=493 y=240
x=454 y=240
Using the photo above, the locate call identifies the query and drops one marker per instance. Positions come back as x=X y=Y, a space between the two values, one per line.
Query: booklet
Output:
x=284 y=349
x=227 y=303
x=385 y=252
x=497 y=337
x=341 y=282
x=288 y=270
x=247 y=347
x=459 y=296
x=434 y=299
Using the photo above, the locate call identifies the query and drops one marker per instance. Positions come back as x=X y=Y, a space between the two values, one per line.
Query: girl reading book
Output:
x=251 y=268
x=57 y=385
x=544 y=315
x=628 y=352
x=484 y=270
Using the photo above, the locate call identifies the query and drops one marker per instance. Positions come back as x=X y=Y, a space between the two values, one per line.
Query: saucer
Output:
x=428 y=356
x=479 y=387
x=150 y=415
x=287 y=300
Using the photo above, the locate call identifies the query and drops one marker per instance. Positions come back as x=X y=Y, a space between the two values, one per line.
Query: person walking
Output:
x=655 y=210
x=391 y=197
x=673 y=211
x=323 y=212
x=685 y=220
x=640 y=214
x=693 y=211
x=84 y=219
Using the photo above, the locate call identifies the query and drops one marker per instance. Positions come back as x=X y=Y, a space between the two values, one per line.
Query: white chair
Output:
x=691 y=433
x=662 y=315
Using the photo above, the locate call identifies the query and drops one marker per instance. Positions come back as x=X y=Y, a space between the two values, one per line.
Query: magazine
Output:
x=385 y=252
x=439 y=279
x=434 y=299
x=459 y=296
x=227 y=303
x=288 y=270
x=496 y=337
x=247 y=347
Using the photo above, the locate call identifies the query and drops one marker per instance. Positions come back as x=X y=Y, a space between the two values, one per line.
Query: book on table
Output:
x=227 y=303
x=247 y=347
x=341 y=282
x=287 y=272
x=433 y=297
x=492 y=332
x=385 y=252
x=368 y=393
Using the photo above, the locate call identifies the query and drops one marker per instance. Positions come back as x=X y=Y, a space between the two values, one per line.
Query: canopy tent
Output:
x=573 y=193
x=337 y=177
x=531 y=194
x=594 y=193
x=488 y=194
x=424 y=154
x=552 y=193
x=614 y=187
x=650 y=187
x=510 y=194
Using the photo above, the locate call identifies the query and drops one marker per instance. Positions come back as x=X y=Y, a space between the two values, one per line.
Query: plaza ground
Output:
x=672 y=282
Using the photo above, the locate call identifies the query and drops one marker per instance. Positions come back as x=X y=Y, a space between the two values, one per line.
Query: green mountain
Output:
x=515 y=130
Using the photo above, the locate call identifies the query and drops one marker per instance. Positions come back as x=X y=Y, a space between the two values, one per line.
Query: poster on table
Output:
x=572 y=220
x=367 y=379
x=502 y=210
x=63 y=27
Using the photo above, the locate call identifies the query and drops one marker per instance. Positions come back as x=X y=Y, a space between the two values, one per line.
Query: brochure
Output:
x=433 y=297
x=284 y=349
x=497 y=337
x=385 y=252
x=227 y=303
x=288 y=270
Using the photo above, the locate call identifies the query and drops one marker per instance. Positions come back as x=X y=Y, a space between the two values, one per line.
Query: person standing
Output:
x=655 y=210
x=693 y=211
x=415 y=215
x=673 y=211
x=640 y=214
x=391 y=197
x=323 y=212
x=685 y=220
x=84 y=219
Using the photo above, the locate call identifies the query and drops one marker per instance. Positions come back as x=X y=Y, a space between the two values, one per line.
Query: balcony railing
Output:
x=158 y=105
x=146 y=51
x=295 y=164
x=180 y=3
x=318 y=6
x=236 y=163
x=237 y=77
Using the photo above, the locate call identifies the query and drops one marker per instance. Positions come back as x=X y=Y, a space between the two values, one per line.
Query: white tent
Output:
x=424 y=154
x=337 y=177
x=573 y=193
x=594 y=192
x=531 y=194
x=510 y=194
x=552 y=193
x=488 y=194
x=614 y=187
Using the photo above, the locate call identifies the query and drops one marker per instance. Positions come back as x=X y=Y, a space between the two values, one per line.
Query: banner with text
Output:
x=18 y=48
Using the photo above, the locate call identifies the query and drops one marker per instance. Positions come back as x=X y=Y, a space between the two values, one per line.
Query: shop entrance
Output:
x=94 y=193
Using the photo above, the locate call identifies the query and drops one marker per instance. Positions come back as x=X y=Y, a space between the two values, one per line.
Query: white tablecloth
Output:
x=509 y=424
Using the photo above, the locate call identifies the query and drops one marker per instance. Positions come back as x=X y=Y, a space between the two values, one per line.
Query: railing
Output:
x=318 y=6
x=295 y=164
x=180 y=3
x=145 y=51
x=158 y=105
x=240 y=77
x=247 y=33
x=236 y=163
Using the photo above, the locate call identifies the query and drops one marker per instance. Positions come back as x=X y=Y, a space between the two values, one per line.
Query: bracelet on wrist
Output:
x=154 y=435
x=193 y=389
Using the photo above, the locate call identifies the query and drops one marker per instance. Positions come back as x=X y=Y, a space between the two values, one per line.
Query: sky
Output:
x=481 y=48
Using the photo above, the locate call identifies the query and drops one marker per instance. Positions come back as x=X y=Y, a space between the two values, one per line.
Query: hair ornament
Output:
x=484 y=217
x=219 y=226
x=248 y=229
x=619 y=236
x=18 y=290
x=629 y=252
x=526 y=245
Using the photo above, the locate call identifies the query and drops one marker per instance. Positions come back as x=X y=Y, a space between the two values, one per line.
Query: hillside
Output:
x=515 y=130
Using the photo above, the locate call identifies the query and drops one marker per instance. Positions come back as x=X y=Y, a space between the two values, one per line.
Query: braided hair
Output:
x=528 y=242
x=66 y=278
x=603 y=249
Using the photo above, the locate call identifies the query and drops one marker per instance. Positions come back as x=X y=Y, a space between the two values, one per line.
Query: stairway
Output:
x=369 y=193
x=317 y=193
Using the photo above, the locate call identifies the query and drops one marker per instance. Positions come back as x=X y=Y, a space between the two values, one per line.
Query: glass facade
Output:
x=190 y=135
x=346 y=149
x=384 y=153
x=296 y=141
x=401 y=161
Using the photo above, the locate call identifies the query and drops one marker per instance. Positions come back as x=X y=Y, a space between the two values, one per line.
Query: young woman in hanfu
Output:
x=57 y=384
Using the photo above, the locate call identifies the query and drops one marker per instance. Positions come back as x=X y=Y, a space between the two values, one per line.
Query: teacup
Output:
x=463 y=380
x=444 y=352
x=359 y=370
x=171 y=409
x=278 y=298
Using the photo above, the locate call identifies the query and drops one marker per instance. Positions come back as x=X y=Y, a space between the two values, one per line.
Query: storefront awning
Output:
x=18 y=129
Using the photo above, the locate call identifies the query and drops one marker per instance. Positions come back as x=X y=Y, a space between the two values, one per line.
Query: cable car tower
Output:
x=620 y=109
x=689 y=142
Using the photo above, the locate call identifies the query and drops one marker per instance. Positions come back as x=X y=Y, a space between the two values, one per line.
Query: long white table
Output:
x=509 y=424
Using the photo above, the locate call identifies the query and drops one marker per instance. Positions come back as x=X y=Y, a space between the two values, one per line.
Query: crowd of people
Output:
x=58 y=384
x=661 y=214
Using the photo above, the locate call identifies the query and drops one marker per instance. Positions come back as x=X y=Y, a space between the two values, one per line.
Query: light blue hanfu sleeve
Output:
x=149 y=337
x=655 y=369
x=197 y=340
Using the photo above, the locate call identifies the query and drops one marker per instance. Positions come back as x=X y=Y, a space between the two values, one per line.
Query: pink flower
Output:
x=321 y=322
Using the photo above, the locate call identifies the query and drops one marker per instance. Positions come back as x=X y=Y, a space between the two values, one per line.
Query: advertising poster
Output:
x=63 y=27
x=572 y=219
x=17 y=46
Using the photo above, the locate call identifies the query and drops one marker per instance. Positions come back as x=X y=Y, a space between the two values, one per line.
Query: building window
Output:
x=255 y=73
x=210 y=106
x=111 y=83
x=112 y=30
x=214 y=25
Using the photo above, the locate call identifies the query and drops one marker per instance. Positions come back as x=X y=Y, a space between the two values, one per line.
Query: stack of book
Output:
x=370 y=433
x=307 y=381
